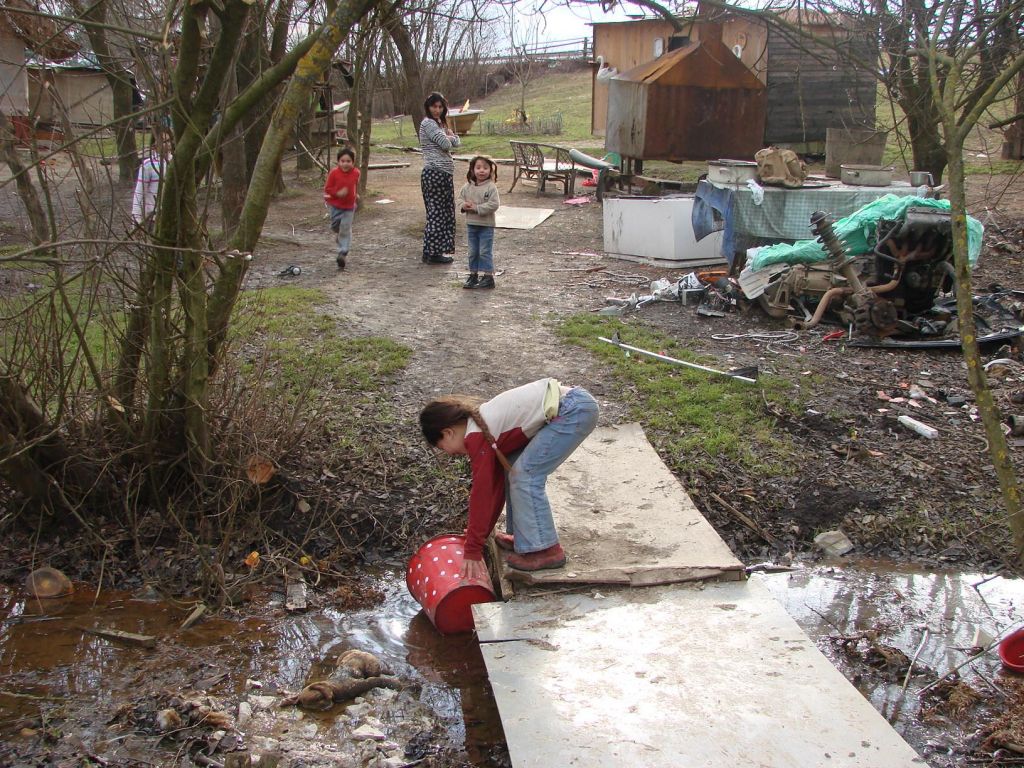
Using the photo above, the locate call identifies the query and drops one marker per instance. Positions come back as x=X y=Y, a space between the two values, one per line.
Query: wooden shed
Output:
x=809 y=88
x=697 y=102
x=77 y=86
x=812 y=86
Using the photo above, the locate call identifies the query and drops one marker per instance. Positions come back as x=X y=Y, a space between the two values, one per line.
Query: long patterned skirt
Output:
x=439 y=200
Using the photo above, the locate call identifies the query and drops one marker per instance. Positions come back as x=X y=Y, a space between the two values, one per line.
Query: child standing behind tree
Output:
x=479 y=196
x=341 y=196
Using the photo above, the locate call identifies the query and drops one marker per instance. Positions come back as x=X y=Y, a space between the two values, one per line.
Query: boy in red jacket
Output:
x=341 y=196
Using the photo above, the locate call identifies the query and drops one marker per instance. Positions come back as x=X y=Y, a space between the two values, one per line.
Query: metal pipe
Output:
x=667 y=359
x=819 y=312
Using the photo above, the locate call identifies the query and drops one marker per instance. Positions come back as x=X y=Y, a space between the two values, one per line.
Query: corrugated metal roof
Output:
x=81 y=60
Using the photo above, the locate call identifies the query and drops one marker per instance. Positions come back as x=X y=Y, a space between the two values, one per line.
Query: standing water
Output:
x=58 y=673
x=937 y=619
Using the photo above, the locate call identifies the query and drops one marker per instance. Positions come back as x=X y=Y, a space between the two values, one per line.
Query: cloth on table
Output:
x=857 y=231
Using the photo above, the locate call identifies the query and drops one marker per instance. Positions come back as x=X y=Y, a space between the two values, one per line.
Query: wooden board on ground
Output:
x=511 y=217
x=623 y=518
x=701 y=676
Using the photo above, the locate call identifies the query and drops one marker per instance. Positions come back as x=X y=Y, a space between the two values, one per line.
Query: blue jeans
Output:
x=481 y=248
x=341 y=223
x=527 y=509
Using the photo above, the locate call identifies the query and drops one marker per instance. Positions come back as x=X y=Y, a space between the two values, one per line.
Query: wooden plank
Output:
x=295 y=597
x=663 y=677
x=196 y=615
x=129 y=638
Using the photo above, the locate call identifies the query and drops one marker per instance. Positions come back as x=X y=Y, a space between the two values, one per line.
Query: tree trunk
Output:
x=257 y=202
x=987 y=408
x=1013 y=143
x=34 y=459
x=926 y=144
x=304 y=137
x=413 y=93
x=121 y=88
x=231 y=167
x=27 y=192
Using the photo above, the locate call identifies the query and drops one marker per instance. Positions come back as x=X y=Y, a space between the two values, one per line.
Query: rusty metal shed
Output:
x=698 y=102
x=812 y=85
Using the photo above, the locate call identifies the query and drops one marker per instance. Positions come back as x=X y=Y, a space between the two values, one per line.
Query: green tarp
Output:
x=858 y=232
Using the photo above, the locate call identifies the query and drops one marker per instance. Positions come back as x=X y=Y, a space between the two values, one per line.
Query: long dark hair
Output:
x=437 y=98
x=438 y=415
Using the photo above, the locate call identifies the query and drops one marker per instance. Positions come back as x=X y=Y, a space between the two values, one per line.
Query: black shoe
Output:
x=439 y=259
x=471 y=281
x=487 y=281
x=341 y=260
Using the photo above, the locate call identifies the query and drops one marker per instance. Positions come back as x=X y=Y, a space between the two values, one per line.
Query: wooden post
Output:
x=1013 y=143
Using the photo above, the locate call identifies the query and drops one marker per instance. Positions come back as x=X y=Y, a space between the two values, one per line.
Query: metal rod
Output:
x=667 y=359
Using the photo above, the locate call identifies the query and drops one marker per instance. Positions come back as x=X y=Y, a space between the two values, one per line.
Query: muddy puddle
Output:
x=935 y=619
x=54 y=670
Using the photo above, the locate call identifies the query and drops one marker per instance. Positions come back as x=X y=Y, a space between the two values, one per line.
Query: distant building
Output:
x=21 y=35
x=77 y=85
x=809 y=87
x=13 y=79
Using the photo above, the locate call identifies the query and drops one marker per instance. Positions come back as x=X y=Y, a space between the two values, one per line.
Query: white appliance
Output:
x=657 y=230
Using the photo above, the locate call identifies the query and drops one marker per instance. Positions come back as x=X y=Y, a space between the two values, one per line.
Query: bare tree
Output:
x=178 y=286
x=523 y=38
x=947 y=64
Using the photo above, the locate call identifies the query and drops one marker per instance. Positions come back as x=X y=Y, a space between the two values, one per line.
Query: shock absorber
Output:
x=821 y=224
x=870 y=314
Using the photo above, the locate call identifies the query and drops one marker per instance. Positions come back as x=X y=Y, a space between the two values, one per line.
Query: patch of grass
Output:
x=690 y=415
x=309 y=355
x=992 y=167
x=37 y=325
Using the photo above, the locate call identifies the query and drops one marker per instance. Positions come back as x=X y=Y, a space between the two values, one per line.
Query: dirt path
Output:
x=862 y=471
x=472 y=341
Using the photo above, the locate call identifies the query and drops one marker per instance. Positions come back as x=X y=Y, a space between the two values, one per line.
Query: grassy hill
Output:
x=551 y=97
x=561 y=97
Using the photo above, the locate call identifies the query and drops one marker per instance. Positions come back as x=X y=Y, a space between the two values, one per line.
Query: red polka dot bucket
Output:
x=433 y=579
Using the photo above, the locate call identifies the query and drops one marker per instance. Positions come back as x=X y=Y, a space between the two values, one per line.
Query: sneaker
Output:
x=552 y=557
x=471 y=281
x=505 y=541
x=341 y=260
x=487 y=281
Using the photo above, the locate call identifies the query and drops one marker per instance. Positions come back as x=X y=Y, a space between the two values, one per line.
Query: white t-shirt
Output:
x=147 y=185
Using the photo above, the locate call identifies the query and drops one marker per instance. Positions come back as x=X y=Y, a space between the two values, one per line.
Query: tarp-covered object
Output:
x=857 y=231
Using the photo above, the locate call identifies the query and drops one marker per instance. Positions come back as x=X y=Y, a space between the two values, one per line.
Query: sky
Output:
x=568 y=23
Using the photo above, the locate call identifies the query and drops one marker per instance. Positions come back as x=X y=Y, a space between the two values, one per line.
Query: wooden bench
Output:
x=543 y=162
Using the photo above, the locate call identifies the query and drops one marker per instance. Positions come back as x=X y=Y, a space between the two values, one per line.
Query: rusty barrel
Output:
x=433 y=579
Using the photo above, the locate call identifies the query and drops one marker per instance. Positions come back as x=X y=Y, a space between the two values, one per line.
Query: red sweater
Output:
x=337 y=180
x=513 y=417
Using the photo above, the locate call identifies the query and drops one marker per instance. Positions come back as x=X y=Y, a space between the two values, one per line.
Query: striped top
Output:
x=437 y=146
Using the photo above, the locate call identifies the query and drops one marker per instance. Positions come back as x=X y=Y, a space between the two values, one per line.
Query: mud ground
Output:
x=861 y=471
